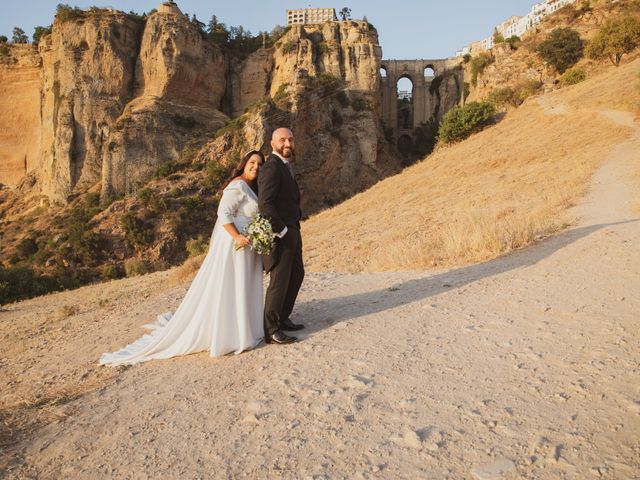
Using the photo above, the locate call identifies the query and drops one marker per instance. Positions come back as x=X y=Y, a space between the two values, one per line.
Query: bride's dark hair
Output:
x=239 y=169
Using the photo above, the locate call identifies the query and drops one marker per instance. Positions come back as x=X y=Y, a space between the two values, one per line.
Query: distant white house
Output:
x=517 y=25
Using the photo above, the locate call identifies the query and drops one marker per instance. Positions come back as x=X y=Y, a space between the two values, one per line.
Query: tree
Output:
x=197 y=23
x=40 y=32
x=217 y=31
x=19 y=36
x=3 y=39
x=345 y=13
x=614 y=39
x=562 y=48
x=497 y=36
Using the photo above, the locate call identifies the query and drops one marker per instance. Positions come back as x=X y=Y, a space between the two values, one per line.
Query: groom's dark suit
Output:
x=279 y=200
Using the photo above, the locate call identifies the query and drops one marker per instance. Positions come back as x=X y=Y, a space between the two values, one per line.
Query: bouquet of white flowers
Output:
x=260 y=234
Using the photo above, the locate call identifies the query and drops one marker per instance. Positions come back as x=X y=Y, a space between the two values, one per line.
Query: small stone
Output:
x=493 y=471
x=250 y=420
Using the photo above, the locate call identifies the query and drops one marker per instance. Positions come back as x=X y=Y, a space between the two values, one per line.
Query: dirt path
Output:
x=523 y=367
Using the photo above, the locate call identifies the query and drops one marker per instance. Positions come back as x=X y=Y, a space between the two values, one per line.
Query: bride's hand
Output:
x=241 y=241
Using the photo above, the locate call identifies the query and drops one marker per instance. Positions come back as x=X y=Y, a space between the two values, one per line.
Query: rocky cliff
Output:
x=20 y=128
x=109 y=97
x=115 y=97
x=323 y=82
x=127 y=127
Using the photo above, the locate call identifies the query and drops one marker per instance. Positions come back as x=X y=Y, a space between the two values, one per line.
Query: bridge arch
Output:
x=415 y=118
x=429 y=71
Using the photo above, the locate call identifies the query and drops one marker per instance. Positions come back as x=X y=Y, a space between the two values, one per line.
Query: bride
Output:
x=222 y=310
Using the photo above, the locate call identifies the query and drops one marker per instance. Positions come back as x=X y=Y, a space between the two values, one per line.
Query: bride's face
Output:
x=252 y=167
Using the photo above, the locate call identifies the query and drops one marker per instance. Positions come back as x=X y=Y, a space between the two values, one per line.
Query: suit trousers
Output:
x=284 y=282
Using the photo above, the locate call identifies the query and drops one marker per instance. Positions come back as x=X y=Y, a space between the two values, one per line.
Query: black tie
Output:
x=290 y=167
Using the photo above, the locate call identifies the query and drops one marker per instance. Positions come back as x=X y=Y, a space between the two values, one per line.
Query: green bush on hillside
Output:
x=460 y=122
x=514 y=95
x=615 y=39
x=562 y=48
x=136 y=232
x=573 y=76
x=196 y=246
x=18 y=283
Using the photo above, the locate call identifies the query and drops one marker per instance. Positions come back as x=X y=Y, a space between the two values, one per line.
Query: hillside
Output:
x=523 y=367
x=502 y=189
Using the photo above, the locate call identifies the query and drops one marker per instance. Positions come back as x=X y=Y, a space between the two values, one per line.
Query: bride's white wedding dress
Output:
x=222 y=310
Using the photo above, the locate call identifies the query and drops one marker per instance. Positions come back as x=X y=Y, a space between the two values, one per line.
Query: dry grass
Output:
x=187 y=270
x=500 y=190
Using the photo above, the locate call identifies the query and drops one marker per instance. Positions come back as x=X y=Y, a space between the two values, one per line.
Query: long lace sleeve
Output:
x=231 y=199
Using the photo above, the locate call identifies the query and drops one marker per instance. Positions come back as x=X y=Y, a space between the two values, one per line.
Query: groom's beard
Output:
x=285 y=152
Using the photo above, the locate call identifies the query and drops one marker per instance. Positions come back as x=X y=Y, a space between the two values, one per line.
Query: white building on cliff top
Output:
x=517 y=25
x=311 y=15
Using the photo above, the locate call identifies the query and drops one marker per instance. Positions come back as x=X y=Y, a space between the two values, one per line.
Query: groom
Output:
x=279 y=200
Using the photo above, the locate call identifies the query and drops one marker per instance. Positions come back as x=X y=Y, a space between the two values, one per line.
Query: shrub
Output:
x=478 y=65
x=17 y=283
x=466 y=58
x=336 y=119
x=360 y=104
x=85 y=242
x=216 y=175
x=515 y=95
x=288 y=47
x=323 y=48
x=40 y=32
x=196 y=246
x=282 y=95
x=151 y=200
x=573 y=76
x=616 y=38
x=343 y=98
x=562 y=48
x=27 y=247
x=135 y=231
x=3 y=39
x=135 y=266
x=164 y=170
x=460 y=122
x=514 y=41
x=326 y=82
x=110 y=272
x=65 y=13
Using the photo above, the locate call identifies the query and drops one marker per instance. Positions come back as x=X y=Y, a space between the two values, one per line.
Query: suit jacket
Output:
x=278 y=200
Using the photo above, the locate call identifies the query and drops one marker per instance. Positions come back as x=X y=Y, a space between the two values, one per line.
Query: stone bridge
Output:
x=438 y=86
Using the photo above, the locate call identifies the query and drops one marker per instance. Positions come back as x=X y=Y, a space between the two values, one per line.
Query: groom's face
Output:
x=282 y=142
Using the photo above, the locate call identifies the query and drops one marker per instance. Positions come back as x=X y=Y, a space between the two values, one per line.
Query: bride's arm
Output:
x=231 y=199
x=238 y=238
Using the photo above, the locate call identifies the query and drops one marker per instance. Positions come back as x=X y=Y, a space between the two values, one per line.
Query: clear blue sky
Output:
x=408 y=29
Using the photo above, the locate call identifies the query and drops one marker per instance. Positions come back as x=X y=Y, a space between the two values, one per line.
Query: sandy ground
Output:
x=523 y=367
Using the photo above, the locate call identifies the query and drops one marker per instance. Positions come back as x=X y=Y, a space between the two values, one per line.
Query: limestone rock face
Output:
x=180 y=81
x=19 y=113
x=88 y=76
x=120 y=96
x=177 y=64
x=347 y=50
x=324 y=84
x=251 y=79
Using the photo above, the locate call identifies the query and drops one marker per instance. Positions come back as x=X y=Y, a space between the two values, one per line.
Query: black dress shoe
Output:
x=289 y=325
x=279 y=337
